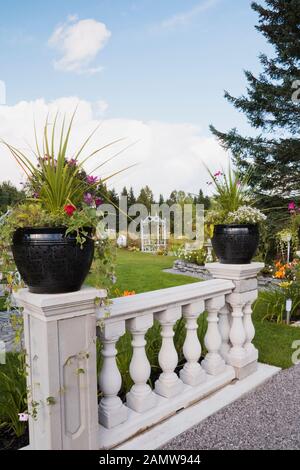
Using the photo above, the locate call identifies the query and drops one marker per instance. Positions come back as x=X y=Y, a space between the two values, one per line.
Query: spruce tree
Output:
x=131 y=197
x=272 y=106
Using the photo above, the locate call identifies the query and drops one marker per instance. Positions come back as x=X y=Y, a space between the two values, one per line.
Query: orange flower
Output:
x=280 y=274
x=126 y=293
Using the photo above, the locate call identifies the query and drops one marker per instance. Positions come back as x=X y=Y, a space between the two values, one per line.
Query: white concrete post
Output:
x=141 y=397
x=248 y=325
x=224 y=328
x=192 y=373
x=242 y=354
x=60 y=341
x=111 y=409
x=168 y=384
x=213 y=362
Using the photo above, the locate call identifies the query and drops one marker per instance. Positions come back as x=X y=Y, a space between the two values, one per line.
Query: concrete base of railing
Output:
x=159 y=435
x=165 y=407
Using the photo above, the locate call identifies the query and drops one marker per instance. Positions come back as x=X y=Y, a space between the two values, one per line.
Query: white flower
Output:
x=246 y=215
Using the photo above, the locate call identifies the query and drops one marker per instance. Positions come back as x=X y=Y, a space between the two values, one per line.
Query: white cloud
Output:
x=169 y=156
x=183 y=18
x=100 y=107
x=79 y=42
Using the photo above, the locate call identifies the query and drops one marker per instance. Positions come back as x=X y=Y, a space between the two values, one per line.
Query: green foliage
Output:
x=231 y=201
x=9 y=196
x=13 y=393
x=55 y=180
x=103 y=267
x=273 y=302
x=231 y=191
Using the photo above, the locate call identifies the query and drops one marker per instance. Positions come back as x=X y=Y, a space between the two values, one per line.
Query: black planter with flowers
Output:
x=235 y=243
x=233 y=217
x=50 y=261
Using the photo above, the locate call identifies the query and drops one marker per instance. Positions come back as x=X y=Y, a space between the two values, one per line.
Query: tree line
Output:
x=10 y=195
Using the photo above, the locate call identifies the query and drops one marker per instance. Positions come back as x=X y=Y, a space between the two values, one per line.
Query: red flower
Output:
x=69 y=209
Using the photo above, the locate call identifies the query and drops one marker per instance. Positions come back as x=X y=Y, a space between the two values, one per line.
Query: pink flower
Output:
x=23 y=416
x=88 y=199
x=91 y=179
x=72 y=162
x=98 y=201
x=292 y=206
x=218 y=173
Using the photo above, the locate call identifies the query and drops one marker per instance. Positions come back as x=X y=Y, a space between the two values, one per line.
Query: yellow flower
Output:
x=285 y=284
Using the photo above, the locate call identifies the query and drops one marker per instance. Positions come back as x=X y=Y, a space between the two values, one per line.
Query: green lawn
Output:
x=274 y=342
x=143 y=272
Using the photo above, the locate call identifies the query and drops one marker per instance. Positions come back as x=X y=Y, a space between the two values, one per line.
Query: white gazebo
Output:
x=153 y=234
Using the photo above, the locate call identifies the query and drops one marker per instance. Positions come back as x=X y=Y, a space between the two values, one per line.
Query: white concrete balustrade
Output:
x=60 y=334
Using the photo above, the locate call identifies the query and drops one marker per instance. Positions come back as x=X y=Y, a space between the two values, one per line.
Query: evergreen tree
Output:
x=161 y=199
x=124 y=192
x=146 y=197
x=131 y=197
x=9 y=195
x=201 y=199
x=272 y=105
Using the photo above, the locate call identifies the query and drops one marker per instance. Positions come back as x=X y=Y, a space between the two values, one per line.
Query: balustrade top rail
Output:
x=124 y=308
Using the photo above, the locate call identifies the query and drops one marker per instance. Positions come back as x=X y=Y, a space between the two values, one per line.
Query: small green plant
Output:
x=194 y=256
x=232 y=200
x=13 y=393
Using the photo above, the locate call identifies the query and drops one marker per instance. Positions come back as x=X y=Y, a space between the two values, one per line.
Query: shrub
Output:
x=194 y=256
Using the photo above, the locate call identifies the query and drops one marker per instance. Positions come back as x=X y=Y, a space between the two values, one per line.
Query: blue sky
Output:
x=154 y=70
x=151 y=69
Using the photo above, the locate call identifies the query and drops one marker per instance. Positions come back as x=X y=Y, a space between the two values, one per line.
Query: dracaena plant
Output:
x=232 y=200
x=59 y=191
x=55 y=179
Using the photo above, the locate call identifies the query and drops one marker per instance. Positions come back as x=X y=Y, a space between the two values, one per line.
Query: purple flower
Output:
x=98 y=201
x=291 y=206
x=218 y=173
x=91 y=179
x=72 y=162
x=88 y=199
x=36 y=195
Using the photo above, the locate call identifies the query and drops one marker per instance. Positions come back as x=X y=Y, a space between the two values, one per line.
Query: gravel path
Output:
x=266 y=418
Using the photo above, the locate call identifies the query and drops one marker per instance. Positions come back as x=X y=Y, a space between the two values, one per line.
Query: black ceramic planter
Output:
x=235 y=244
x=50 y=262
